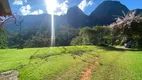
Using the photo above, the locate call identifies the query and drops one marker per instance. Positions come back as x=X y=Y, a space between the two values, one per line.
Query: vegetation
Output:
x=40 y=37
x=119 y=64
x=128 y=27
x=65 y=34
x=93 y=48
x=98 y=35
x=64 y=63
x=125 y=29
x=47 y=63
x=3 y=38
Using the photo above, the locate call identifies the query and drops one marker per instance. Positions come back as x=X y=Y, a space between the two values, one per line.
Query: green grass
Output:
x=47 y=63
x=66 y=63
x=119 y=65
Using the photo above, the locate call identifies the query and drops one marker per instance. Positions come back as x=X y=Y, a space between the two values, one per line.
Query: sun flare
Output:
x=51 y=6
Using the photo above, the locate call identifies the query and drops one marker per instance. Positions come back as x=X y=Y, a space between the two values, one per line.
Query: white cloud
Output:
x=26 y=10
x=37 y=12
x=83 y=4
x=59 y=8
x=18 y=2
x=59 y=13
x=62 y=8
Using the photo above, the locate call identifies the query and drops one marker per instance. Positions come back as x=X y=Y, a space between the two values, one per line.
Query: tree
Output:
x=102 y=35
x=98 y=35
x=19 y=35
x=129 y=26
x=37 y=37
x=64 y=35
x=3 y=38
x=76 y=41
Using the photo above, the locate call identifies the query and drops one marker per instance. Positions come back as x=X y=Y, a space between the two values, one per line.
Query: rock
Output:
x=9 y=75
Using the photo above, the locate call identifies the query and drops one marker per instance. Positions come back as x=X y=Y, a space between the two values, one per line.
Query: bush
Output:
x=98 y=35
x=76 y=41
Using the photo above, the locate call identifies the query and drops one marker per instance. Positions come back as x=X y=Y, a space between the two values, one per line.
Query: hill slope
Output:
x=106 y=12
x=76 y=17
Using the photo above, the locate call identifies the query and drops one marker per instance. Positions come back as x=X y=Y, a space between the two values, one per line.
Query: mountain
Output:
x=106 y=13
x=76 y=17
x=35 y=21
x=138 y=11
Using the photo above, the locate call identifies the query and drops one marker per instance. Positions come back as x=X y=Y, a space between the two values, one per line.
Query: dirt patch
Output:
x=9 y=75
x=86 y=73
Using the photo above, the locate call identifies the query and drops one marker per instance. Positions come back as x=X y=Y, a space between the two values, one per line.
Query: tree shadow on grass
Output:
x=119 y=49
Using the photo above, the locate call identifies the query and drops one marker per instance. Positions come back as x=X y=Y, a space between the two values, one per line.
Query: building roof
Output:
x=4 y=8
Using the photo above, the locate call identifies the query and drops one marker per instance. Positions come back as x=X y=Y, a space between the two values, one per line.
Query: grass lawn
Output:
x=119 y=64
x=66 y=63
x=47 y=63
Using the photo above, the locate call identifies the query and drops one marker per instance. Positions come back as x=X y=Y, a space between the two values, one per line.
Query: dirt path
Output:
x=86 y=73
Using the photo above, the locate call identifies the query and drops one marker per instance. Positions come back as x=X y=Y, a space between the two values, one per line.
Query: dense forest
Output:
x=123 y=30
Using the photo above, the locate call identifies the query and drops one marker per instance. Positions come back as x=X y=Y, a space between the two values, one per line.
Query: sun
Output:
x=51 y=6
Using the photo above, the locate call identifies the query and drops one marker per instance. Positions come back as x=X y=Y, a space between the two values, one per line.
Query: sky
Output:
x=60 y=7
